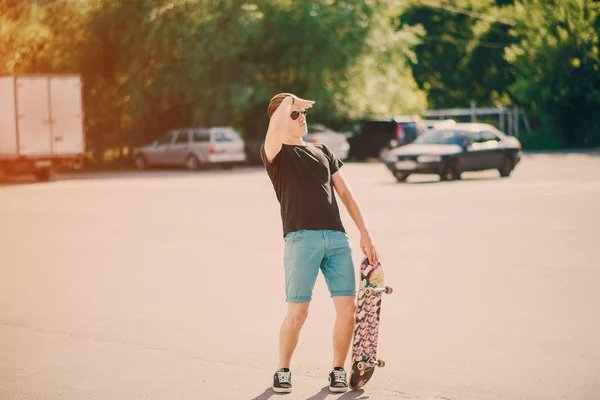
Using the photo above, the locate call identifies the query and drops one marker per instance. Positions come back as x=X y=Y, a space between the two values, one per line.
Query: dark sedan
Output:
x=450 y=151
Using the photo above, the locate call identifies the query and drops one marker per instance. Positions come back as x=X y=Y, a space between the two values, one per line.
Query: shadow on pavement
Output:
x=267 y=394
x=463 y=179
x=562 y=153
x=435 y=180
x=354 y=395
x=350 y=395
x=322 y=395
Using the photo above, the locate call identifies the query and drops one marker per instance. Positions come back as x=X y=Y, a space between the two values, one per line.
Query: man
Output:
x=304 y=176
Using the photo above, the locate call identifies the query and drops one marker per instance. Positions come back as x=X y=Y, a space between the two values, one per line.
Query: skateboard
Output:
x=366 y=329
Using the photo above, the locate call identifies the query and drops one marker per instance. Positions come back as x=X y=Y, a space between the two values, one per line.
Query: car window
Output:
x=166 y=139
x=378 y=127
x=225 y=136
x=410 y=129
x=421 y=128
x=222 y=137
x=201 y=137
x=442 y=136
x=183 y=137
x=473 y=137
x=486 y=135
x=413 y=129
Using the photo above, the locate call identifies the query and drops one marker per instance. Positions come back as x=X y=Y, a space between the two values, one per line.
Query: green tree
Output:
x=442 y=56
x=202 y=62
x=490 y=74
x=151 y=66
x=557 y=66
x=23 y=36
x=461 y=57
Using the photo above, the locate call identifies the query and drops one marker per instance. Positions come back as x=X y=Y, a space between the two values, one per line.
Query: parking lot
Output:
x=169 y=285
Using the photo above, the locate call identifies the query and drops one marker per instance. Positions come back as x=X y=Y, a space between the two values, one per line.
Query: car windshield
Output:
x=441 y=137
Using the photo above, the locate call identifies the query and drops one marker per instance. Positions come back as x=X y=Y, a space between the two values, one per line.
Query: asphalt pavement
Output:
x=169 y=285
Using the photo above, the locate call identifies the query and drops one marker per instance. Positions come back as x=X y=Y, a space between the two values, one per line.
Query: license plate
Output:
x=406 y=164
x=44 y=163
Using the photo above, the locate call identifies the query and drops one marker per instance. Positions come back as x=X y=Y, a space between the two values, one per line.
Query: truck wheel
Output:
x=506 y=167
x=450 y=172
x=401 y=176
x=43 y=175
x=140 y=162
x=192 y=163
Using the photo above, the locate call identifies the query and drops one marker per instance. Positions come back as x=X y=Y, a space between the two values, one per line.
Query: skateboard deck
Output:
x=366 y=328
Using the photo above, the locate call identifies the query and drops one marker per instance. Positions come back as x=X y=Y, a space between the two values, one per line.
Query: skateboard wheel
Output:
x=389 y=290
x=361 y=366
x=369 y=291
x=381 y=363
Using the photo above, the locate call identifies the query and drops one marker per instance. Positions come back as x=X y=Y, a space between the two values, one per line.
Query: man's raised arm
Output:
x=277 y=125
x=280 y=108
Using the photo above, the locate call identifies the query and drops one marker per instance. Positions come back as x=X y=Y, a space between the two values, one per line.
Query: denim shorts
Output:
x=307 y=251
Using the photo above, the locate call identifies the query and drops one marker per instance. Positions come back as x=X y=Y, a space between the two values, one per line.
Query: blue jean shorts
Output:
x=307 y=252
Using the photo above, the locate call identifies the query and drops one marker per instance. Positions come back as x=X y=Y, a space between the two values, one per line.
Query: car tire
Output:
x=506 y=167
x=450 y=172
x=401 y=176
x=140 y=162
x=192 y=163
x=43 y=175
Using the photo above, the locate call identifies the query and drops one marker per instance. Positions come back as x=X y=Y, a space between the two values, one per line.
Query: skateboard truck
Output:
x=363 y=365
x=373 y=291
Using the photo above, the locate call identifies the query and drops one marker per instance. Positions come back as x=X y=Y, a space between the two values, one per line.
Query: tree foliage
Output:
x=540 y=55
x=149 y=66
x=557 y=67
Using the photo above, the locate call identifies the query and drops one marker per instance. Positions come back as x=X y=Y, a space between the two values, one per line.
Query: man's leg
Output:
x=290 y=331
x=304 y=251
x=338 y=270
x=343 y=328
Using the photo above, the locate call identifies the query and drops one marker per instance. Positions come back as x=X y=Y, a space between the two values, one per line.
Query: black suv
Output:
x=377 y=134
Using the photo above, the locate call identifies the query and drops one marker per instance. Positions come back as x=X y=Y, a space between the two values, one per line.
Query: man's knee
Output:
x=350 y=310
x=297 y=315
x=346 y=307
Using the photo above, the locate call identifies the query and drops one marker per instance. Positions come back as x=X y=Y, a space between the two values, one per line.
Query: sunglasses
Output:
x=296 y=114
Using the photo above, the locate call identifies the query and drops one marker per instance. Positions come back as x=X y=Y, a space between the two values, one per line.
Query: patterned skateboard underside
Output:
x=366 y=331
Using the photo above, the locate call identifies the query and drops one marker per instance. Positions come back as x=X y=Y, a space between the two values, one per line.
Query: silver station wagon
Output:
x=193 y=148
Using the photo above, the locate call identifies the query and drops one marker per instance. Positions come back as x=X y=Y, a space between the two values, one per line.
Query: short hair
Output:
x=276 y=102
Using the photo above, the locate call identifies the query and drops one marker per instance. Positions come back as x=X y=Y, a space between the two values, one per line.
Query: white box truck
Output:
x=41 y=124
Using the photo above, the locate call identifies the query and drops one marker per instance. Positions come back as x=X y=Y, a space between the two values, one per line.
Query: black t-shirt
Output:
x=301 y=176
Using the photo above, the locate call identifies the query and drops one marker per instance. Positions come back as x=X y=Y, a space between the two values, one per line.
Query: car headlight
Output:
x=426 y=159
